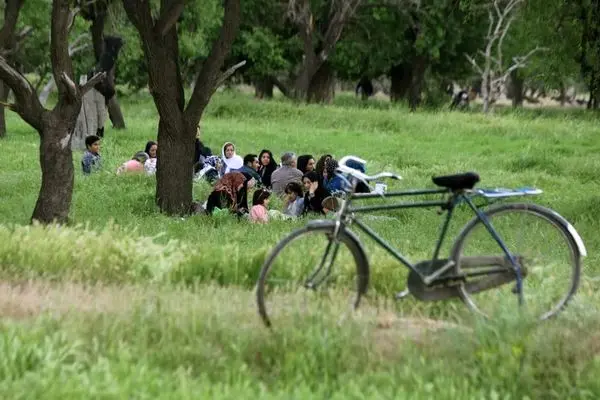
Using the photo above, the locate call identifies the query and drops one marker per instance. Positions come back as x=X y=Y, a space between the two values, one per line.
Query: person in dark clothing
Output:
x=305 y=163
x=315 y=193
x=230 y=192
x=201 y=152
x=267 y=165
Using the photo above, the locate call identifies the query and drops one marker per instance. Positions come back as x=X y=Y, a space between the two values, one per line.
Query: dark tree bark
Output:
x=263 y=88
x=97 y=14
x=322 y=85
x=7 y=46
x=401 y=77
x=4 y=91
x=516 y=92
x=178 y=123
x=318 y=45
x=55 y=126
x=419 y=68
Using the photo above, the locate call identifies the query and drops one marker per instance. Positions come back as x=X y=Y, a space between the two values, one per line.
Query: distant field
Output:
x=175 y=316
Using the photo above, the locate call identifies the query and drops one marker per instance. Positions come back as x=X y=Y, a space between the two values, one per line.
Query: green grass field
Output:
x=128 y=303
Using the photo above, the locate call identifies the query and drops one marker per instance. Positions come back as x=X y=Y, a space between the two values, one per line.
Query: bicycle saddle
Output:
x=457 y=182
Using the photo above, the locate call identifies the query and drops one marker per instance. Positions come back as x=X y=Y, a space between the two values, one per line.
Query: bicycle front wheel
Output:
x=305 y=265
x=548 y=255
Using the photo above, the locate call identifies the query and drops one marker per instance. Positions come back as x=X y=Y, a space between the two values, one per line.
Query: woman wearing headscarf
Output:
x=320 y=167
x=314 y=193
x=230 y=192
x=305 y=163
x=266 y=167
x=331 y=181
x=231 y=161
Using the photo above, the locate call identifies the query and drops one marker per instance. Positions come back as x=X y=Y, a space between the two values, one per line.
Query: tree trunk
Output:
x=322 y=85
x=263 y=88
x=56 y=159
x=4 y=90
x=485 y=92
x=401 y=77
x=516 y=88
x=114 y=109
x=115 y=114
x=416 y=82
x=562 y=94
x=174 y=174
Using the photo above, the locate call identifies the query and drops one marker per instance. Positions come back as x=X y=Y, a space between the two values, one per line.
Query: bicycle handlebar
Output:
x=342 y=167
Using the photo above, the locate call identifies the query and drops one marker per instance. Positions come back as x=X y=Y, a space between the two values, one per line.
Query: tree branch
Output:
x=229 y=72
x=168 y=18
x=27 y=104
x=86 y=87
x=62 y=66
x=70 y=85
x=474 y=64
x=207 y=79
x=518 y=62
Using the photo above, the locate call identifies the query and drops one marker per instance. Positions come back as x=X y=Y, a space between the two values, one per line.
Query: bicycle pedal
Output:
x=402 y=294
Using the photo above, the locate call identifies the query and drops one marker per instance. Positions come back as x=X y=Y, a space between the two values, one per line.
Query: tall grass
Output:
x=175 y=339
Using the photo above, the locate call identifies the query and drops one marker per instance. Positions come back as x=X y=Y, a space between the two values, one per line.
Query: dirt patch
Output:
x=30 y=299
x=26 y=300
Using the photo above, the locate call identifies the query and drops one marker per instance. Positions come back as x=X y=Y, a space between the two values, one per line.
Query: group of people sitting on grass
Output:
x=141 y=162
x=304 y=184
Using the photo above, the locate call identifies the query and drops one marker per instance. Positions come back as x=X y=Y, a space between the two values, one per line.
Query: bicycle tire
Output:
x=346 y=237
x=546 y=214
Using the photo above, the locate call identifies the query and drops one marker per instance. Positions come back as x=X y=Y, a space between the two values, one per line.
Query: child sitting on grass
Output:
x=91 y=160
x=294 y=200
x=260 y=203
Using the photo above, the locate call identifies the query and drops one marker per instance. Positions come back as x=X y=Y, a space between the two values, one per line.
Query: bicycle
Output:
x=459 y=275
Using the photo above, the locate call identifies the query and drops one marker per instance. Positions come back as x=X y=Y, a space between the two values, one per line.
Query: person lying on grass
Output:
x=135 y=165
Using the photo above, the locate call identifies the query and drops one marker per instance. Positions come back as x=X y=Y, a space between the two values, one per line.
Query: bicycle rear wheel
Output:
x=307 y=268
x=550 y=261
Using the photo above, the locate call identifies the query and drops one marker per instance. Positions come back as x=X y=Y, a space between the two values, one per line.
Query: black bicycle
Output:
x=486 y=254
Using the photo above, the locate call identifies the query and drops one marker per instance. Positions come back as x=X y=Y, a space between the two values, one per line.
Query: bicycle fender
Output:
x=574 y=234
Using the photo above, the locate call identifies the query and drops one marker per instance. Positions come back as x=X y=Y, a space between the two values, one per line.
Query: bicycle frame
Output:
x=346 y=217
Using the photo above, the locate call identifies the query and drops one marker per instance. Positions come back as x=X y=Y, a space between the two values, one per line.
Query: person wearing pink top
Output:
x=135 y=165
x=259 y=212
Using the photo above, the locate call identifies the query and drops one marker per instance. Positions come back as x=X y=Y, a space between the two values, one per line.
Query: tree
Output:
x=177 y=122
x=97 y=12
x=55 y=127
x=494 y=73
x=7 y=49
x=319 y=29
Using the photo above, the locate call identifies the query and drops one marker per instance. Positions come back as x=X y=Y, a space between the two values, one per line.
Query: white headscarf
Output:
x=233 y=163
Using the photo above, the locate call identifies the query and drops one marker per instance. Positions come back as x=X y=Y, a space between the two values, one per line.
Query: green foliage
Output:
x=197 y=30
x=34 y=52
x=554 y=26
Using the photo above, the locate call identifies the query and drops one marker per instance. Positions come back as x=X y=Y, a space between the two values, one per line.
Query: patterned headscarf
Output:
x=229 y=183
x=330 y=167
